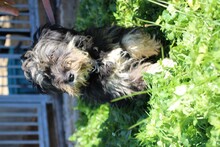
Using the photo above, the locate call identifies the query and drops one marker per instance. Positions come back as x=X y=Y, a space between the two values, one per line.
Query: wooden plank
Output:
x=19 y=142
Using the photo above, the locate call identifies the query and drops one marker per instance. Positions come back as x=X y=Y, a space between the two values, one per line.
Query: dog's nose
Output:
x=71 y=78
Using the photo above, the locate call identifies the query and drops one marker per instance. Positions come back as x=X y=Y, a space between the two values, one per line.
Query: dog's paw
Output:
x=107 y=69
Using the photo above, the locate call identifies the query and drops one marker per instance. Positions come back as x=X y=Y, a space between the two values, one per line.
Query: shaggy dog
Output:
x=97 y=64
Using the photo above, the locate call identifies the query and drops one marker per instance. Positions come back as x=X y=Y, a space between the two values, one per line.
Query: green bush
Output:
x=185 y=105
x=184 y=108
x=95 y=13
x=136 y=12
x=90 y=124
x=104 y=125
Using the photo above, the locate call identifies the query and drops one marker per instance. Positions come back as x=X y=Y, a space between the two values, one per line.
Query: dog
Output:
x=97 y=64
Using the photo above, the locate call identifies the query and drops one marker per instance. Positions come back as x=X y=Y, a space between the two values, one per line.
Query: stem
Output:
x=158 y=3
x=129 y=95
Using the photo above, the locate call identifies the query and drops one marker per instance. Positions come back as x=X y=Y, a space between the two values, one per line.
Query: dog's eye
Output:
x=71 y=78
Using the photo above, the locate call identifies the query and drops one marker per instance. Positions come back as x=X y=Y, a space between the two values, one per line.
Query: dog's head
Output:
x=58 y=60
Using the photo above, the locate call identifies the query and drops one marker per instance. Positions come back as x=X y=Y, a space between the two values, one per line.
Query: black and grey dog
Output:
x=98 y=64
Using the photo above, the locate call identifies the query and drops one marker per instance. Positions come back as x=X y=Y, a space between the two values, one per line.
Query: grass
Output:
x=184 y=108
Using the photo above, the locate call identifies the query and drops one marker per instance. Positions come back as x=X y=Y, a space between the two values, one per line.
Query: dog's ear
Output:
x=58 y=28
x=84 y=43
x=59 y=33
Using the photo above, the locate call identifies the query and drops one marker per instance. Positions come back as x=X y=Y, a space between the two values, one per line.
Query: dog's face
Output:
x=58 y=62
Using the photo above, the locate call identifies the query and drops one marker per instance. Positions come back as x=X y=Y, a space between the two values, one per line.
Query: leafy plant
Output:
x=95 y=13
x=184 y=106
x=136 y=12
x=90 y=125
x=105 y=125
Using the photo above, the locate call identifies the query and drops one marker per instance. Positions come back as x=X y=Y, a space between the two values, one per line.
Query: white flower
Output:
x=180 y=90
x=168 y=63
x=174 y=106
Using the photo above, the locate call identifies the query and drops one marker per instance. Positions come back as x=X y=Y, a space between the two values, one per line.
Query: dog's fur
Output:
x=97 y=64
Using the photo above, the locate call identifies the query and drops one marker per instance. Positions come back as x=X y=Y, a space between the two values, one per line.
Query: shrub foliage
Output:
x=184 y=107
